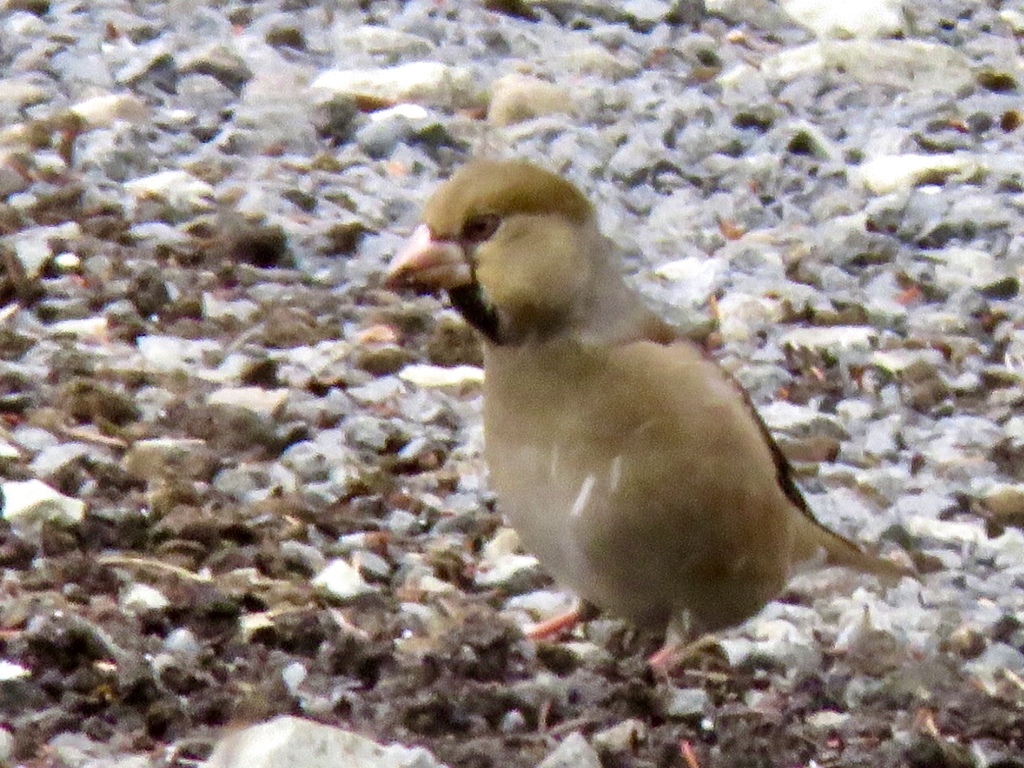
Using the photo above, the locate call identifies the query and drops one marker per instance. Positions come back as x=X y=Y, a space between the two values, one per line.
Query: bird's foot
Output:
x=674 y=653
x=548 y=628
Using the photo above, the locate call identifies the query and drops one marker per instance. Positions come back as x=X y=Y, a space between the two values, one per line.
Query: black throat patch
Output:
x=470 y=302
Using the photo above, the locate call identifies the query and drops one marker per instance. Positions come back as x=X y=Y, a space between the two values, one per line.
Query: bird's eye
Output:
x=480 y=228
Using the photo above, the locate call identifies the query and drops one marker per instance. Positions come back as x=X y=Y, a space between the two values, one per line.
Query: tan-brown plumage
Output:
x=628 y=461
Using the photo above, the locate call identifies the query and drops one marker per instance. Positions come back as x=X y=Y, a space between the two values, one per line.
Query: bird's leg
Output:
x=581 y=611
x=678 y=648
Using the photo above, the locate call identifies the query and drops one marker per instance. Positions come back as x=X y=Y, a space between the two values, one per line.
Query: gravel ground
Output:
x=241 y=480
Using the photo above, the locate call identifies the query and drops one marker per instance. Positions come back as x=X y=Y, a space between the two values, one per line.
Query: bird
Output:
x=633 y=466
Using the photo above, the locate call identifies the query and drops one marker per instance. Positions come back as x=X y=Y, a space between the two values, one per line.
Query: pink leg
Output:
x=555 y=625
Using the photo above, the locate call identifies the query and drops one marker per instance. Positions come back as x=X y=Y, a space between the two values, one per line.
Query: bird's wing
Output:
x=840 y=550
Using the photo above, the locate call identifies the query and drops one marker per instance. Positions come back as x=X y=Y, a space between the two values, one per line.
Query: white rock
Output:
x=10 y=670
x=17 y=92
x=170 y=353
x=251 y=623
x=265 y=402
x=516 y=98
x=796 y=419
x=573 y=752
x=502 y=569
x=542 y=603
x=958 y=267
x=179 y=189
x=695 y=277
x=142 y=597
x=8 y=451
x=291 y=742
x=6 y=746
x=505 y=541
x=831 y=337
x=375 y=39
x=412 y=112
x=893 y=173
x=782 y=640
x=294 y=675
x=764 y=14
x=239 y=309
x=686 y=702
x=1014 y=18
x=53 y=458
x=27 y=504
x=991 y=666
x=67 y=261
x=944 y=531
x=89 y=328
x=160 y=455
x=425 y=82
x=341 y=580
x=827 y=719
x=423 y=375
x=32 y=245
x=103 y=111
x=849 y=18
x=183 y=644
x=896 y=361
x=596 y=60
x=897 y=63
x=621 y=737
x=742 y=315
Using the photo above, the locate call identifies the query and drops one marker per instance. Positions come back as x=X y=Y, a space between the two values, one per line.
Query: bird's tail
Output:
x=814 y=543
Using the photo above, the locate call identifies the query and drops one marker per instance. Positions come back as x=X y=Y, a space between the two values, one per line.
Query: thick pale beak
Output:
x=429 y=263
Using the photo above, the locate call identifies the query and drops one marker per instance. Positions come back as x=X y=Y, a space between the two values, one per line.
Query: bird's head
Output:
x=516 y=248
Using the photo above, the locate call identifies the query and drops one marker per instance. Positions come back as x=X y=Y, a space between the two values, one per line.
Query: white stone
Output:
x=341 y=580
x=897 y=63
x=516 y=98
x=426 y=82
x=958 y=267
x=6 y=746
x=695 y=275
x=502 y=569
x=27 y=504
x=32 y=246
x=87 y=328
x=142 y=597
x=827 y=719
x=944 y=531
x=161 y=451
x=264 y=402
x=377 y=39
x=686 y=702
x=179 y=189
x=291 y=742
x=170 y=353
x=573 y=752
x=103 y=111
x=831 y=337
x=294 y=675
x=893 y=173
x=897 y=361
x=53 y=458
x=505 y=541
x=10 y=670
x=215 y=308
x=621 y=737
x=423 y=375
x=1014 y=18
x=849 y=18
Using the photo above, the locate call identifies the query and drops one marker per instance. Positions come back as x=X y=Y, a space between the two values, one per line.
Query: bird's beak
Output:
x=429 y=263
